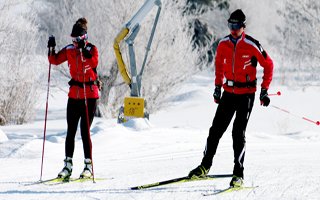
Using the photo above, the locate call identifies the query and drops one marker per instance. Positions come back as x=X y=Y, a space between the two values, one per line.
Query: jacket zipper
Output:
x=233 y=61
x=77 y=67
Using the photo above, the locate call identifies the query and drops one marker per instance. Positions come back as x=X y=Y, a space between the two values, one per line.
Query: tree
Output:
x=298 y=42
x=205 y=27
x=19 y=73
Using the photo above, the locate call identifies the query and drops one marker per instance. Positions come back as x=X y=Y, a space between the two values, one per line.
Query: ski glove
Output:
x=81 y=44
x=264 y=98
x=86 y=53
x=51 y=42
x=217 y=94
x=254 y=61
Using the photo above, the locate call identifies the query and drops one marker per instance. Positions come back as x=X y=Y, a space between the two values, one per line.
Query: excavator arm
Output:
x=134 y=106
x=131 y=28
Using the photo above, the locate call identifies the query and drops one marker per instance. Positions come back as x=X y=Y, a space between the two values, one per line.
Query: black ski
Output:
x=180 y=180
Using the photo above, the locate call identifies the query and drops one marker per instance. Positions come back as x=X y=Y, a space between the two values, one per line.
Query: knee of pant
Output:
x=216 y=132
x=70 y=137
x=214 y=137
x=238 y=134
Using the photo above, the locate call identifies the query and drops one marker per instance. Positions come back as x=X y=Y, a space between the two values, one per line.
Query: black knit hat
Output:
x=238 y=17
x=79 y=28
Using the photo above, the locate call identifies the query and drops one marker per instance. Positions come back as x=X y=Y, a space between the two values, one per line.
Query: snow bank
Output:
x=3 y=136
x=138 y=124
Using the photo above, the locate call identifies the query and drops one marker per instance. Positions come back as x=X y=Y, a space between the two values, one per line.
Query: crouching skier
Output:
x=82 y=58
x=236 y=60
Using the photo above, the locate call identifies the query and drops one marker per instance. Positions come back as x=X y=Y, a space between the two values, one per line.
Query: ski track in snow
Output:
x=282 y=156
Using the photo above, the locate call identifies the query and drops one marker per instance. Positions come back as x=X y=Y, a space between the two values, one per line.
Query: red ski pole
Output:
x=301 y=117
x=288 y=112
x=45 y=120
x=87 y=112
x=275 y=94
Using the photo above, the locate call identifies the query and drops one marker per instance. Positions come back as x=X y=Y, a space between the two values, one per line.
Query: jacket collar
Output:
x=235 y=40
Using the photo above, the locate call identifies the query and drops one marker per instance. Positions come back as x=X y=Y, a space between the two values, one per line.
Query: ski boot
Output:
x=67 y=169
x=199 y=172
x=236 y=181
x=87 y=171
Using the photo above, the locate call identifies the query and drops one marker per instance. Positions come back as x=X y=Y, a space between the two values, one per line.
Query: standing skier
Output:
x=236 y=60
x=82 y=58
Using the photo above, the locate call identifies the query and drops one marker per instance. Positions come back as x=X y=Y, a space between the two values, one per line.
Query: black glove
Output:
x=81 y=44
x=51 y=42
x=217 y=94
x=264 y=98
x=86 y=53
x=254 y=61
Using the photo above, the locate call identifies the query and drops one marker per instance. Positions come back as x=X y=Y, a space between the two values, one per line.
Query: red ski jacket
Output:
x=236 y=63
x=71 y=54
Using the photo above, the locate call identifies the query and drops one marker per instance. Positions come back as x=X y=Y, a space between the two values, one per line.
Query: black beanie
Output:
x=79 y=28
x=237 y=17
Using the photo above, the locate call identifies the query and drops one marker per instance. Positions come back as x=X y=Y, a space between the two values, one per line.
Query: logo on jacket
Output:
x=86 y=68
x=246 y=63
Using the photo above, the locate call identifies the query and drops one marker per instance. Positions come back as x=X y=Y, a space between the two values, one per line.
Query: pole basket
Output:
x=134 y=107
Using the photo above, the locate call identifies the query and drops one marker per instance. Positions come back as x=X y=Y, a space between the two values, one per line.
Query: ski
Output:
x=52 y=180
x=57 y=181
x=228 y=190
x=180 y=180
x=81 y=180
x=73 y=180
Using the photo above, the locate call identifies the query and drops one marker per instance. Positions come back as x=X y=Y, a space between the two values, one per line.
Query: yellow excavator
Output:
x=134 y=106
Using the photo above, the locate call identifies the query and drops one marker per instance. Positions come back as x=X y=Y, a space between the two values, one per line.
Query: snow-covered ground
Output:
x=282 y=155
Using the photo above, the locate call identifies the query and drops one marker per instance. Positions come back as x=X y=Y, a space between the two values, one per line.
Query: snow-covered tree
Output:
x=19 y=72
x=206 y=27
x=299 y=42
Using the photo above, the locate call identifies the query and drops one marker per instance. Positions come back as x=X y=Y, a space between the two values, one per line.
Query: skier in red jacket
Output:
x=82 y=58
x=236 y=60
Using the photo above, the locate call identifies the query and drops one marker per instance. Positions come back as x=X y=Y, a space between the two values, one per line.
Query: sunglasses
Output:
x=79 y=38
x=235 y=26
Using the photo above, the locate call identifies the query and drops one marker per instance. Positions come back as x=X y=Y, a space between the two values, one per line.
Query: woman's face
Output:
x=75 y=41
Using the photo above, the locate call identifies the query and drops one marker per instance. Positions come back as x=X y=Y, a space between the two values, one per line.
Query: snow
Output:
x=282 y=155
x=3 y=136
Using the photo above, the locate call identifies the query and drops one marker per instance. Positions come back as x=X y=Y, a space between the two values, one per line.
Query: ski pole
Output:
x=275 y=94
x=45 y=120
x=304 y=118
x=87 y=111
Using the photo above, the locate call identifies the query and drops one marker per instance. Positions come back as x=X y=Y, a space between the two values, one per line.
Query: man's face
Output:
x=236 y=33
x=235 y=29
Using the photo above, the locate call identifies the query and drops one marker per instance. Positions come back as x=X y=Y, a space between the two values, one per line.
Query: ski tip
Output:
x=137 y=188
x=229 y=190
x=318 y=123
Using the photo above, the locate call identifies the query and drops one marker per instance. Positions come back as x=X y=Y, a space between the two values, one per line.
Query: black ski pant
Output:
x=76 y=110
x=228 y=106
